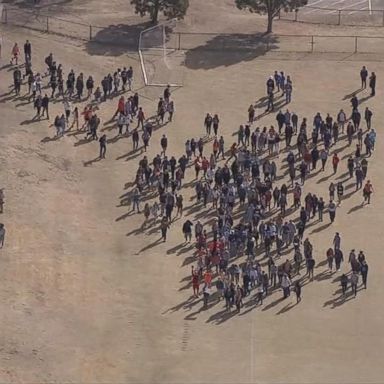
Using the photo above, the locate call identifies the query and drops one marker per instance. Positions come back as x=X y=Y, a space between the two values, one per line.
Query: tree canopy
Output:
x=170 y=8
x=271 y=8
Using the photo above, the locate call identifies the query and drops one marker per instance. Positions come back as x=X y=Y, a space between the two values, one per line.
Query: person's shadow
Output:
x=90 y=162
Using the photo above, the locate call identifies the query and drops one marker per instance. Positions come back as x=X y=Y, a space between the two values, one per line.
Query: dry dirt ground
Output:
x=88 y=296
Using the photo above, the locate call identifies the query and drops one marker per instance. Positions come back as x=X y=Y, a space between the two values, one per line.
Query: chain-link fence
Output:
x=277 y=43
x=348 y=17
x=128 y=36
x=39 y=21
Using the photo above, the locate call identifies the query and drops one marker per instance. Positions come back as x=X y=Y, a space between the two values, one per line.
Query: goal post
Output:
x=160 y=62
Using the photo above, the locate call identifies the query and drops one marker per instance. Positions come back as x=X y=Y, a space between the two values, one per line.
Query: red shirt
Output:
x=121 y=105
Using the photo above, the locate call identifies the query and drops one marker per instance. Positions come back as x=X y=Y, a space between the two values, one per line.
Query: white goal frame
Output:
x=164 y=49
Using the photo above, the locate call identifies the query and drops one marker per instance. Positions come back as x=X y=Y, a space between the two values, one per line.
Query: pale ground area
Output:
x=85 y=298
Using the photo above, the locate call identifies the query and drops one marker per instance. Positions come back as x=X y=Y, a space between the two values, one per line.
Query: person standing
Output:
x=372 y=83
x=37 y=105
x=27 y=51
x=15 y=54
x=350 y=166
x=164 y=145
x=330 y=256
x=285 y=285
x=103 y=146
x=67 y=109
x=323 y=157
x=338 y=259
x=45 y=104
x=164 y=225
x=336 y=241
x=140 y=118
x=310 y=267
x=17 y=80
x=297 y=288
x=363 y=77
x=270 y=105
x=368 y=117
x=195 y=282
x=130 y=78
x=215 y=122
x=354 y=282
x=335 y=162
x=288 y=92
x=340 y=191
x=364 y=273
x=341 y=119
x=332 y=211
x=344 y=283
x=2 y=235
x=1 y=200
x=170 y=110
x=89 y=84
x=367 y=191
x=320 y=208
x=187 y=231
x=260 y=294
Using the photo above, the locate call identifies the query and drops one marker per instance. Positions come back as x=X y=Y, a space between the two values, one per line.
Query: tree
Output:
x=270 y=7
x=170 y=8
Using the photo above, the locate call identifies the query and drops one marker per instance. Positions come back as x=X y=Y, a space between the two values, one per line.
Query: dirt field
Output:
x=87 y=296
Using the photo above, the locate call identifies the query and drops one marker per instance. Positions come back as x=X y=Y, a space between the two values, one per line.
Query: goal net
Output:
x=161 y=60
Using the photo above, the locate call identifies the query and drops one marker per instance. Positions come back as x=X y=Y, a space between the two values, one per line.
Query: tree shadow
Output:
x=227 y=49
x=119 y=37
x=41 y=4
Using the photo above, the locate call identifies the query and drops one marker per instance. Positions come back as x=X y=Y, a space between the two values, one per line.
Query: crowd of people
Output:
x=245 y=177
x=256 y=212
x=79 y=88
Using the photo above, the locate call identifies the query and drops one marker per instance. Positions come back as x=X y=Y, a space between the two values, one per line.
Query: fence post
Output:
x=178 y=41
x=312 y=43
x=355 y=44
x=90 y=32
x=296 y=12
x=47 y=24
x=383 y=18
x=5 y=15
x=339 y=18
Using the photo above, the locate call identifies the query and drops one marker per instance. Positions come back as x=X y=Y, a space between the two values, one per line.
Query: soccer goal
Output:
x=161 y=61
